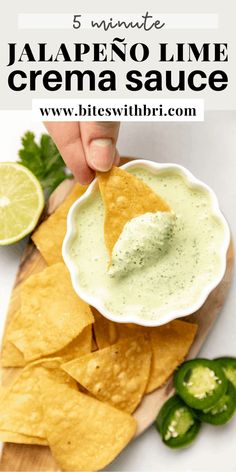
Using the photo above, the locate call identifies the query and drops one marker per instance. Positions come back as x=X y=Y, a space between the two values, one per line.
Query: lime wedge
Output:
x=21 y=202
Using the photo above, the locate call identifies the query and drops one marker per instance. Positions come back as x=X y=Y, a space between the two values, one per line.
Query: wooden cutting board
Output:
x=19 y=457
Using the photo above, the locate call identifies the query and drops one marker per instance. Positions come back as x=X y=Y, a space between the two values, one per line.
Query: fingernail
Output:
x=102 y=154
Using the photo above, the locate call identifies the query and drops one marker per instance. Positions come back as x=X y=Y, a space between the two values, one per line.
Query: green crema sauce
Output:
x=143 y=241
x=160 y=263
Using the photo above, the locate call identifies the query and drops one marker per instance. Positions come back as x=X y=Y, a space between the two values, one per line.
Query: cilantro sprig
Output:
x=44 y=160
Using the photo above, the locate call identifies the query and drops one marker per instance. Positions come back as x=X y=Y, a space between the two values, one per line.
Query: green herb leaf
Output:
x=44 y=160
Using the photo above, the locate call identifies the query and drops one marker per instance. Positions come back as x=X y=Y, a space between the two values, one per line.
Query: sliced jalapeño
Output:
x=228 y=364
x=223 y=410
x=200 y=383
x=177 y=423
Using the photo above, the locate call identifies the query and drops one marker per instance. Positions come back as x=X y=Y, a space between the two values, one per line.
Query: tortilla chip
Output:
x=83 y=433
x=170 y=344
x=51 y=315
x=11 y=437
x=11 y=356
x=51 y=367
x=94 y=345
x=108 y=332
x=20 y=406
x=125 y=330
x=81 y=345
x=117 y=374
x=49 y=236
x=20 y=411
x=125 y=197
x=105 y=331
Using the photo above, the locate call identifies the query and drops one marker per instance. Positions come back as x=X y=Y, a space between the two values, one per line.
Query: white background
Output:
x=208 y=149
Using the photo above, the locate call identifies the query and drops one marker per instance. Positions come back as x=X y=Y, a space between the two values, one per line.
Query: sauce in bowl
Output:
x=180 y=256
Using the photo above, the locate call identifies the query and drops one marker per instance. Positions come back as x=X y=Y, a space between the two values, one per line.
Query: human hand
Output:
x=86 y=146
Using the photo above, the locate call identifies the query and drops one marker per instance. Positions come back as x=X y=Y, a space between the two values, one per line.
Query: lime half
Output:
x=21 y=202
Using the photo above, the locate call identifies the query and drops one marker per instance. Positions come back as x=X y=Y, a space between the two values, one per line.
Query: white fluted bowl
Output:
x=96 y=301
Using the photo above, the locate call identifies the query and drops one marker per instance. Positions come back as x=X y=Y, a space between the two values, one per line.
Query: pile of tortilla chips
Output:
x=82 y=376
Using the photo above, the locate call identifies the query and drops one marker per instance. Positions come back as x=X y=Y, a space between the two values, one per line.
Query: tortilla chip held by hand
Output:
x=125 y=197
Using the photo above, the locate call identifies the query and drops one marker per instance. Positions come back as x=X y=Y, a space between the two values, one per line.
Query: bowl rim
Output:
x=172 y=315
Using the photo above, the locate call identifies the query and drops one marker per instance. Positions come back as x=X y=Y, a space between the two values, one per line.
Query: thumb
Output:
x=99 y=143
